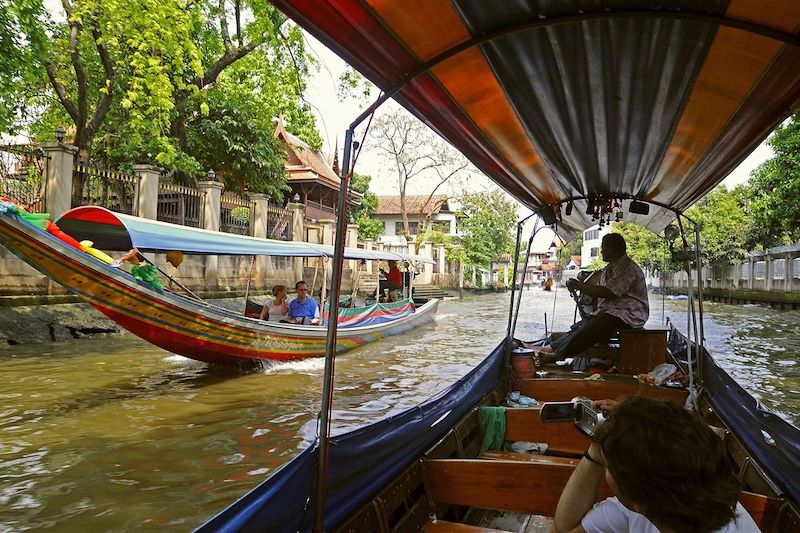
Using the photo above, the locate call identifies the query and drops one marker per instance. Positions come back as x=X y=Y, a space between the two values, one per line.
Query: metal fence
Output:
x=107 y=188
x=279 y=221
x=236 y=214
x=179 y=204
x=23 y=168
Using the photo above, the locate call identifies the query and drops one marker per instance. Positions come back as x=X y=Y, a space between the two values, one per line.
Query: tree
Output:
x=135 y=77
x=723 y=224
x=774 y=188
x=368 y=227
x=647 y=249
x=486 y=220
x=414 y=150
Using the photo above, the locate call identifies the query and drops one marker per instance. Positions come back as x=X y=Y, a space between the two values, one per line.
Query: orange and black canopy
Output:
x=558 y=99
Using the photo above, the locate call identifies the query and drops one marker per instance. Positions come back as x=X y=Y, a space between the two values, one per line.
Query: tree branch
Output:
x=223 y=28
x=80 y=72
x=108 y=66
x=61 y=91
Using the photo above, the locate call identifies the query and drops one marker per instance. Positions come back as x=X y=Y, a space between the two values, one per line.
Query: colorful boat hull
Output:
x=179 y=324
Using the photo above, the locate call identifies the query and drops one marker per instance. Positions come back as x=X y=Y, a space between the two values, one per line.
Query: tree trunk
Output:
x=83 y=140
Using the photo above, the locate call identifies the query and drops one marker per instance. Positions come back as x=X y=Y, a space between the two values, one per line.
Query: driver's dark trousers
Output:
x=587 y=333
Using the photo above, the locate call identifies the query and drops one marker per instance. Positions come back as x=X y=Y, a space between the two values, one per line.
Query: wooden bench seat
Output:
x=528 y=457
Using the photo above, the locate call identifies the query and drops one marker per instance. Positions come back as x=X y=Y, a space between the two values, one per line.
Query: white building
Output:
x=592 y=238
x=423 y=212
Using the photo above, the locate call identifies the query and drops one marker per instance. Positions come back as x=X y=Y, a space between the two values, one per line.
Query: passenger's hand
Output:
x=604 y=405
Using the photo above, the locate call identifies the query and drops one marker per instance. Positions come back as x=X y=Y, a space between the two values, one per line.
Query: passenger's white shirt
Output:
x=610 y=516
x=624 y=278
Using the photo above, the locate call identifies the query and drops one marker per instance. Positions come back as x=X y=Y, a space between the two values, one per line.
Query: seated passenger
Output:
x=393 y=281
x=303 y=309
x=668 y=470
x=277 y=309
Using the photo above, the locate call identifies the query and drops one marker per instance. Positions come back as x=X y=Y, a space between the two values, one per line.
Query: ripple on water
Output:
x=146 y=440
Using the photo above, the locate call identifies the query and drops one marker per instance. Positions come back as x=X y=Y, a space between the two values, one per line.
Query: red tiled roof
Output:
x=576 y=259
x=415 y=204
x=304 y=163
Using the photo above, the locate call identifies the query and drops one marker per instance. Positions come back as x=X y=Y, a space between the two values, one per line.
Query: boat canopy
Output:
x=119 y=232
x=583 y=102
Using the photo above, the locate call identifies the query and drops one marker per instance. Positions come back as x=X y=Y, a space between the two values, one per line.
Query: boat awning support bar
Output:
x=330 y=345
x=509 y=333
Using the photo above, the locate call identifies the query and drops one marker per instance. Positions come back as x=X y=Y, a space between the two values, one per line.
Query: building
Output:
x=424 y=211
x=313 y=181
x=592 y=239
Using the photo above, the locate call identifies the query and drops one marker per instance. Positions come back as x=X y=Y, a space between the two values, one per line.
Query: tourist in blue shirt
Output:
x=303 y=309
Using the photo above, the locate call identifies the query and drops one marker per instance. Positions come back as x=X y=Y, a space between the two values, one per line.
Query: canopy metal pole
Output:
x=524 y=274
x=330 y=348
x=513 y=289
x=249 y=280
x=701 y=337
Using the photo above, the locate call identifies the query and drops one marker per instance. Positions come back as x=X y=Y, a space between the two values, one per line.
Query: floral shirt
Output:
x=624 y=278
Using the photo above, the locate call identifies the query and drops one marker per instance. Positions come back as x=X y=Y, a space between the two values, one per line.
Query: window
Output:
x=745 y=271
x=796 y=268
x=759 y=269
x=413 y=228
x=441 y=225
x=591 y=235
x=779 y=269
x=594 y=251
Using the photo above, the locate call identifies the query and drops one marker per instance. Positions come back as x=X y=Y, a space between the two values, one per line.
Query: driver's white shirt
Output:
x=610 y=516
x=624 y=278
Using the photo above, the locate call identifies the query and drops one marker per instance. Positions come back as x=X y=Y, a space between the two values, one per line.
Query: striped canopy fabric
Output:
x=583 y=99
x=119 y=232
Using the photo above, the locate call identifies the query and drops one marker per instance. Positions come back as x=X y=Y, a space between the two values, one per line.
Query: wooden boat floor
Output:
x=493 y=521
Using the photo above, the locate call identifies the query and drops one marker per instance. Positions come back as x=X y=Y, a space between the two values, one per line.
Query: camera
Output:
x=579 y=410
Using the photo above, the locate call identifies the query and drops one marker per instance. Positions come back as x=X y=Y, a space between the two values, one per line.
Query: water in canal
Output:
x=115 y=434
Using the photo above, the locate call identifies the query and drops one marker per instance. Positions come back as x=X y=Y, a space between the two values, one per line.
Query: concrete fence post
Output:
x=298 y=213
x=352 y=242
x=58 y=177
x=147 y=191
x=260 y=219
x=368 y=243
x=211 y=221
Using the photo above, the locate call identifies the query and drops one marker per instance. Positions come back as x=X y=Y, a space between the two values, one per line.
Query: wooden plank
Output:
x=641 y=350
x=560 y=390
x=518 y=486
x=524 y=424
x=529 y=457
x=764 y=510
x=442 y=526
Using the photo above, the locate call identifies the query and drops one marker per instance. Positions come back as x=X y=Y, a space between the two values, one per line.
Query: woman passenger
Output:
x=277 y=309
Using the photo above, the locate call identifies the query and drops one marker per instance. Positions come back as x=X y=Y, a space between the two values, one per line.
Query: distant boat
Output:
x=679 y=297
x=181 y=323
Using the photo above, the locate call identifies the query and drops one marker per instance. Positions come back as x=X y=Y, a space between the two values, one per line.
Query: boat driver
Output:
x=303 y=309
x=668 y=470
x=393 y=281
x=623 y=302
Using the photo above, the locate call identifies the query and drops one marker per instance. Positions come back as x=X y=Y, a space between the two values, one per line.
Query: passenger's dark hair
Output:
x=298 y=284
x=616 y=241
x=669 y=461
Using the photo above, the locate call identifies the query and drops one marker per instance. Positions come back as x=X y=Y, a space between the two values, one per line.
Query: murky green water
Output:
x=114 y=434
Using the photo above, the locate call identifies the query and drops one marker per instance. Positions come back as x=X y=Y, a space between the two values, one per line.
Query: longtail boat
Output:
x=180 y=322
x=582 y=111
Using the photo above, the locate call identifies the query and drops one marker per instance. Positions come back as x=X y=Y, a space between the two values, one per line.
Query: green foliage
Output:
x=453 y=249
x=486 y=220
x=596 y=264
x=241 y=214
x=723 y=224
x=368 y=227
x=774 y=189
x=646 y=248
x=166 y=83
